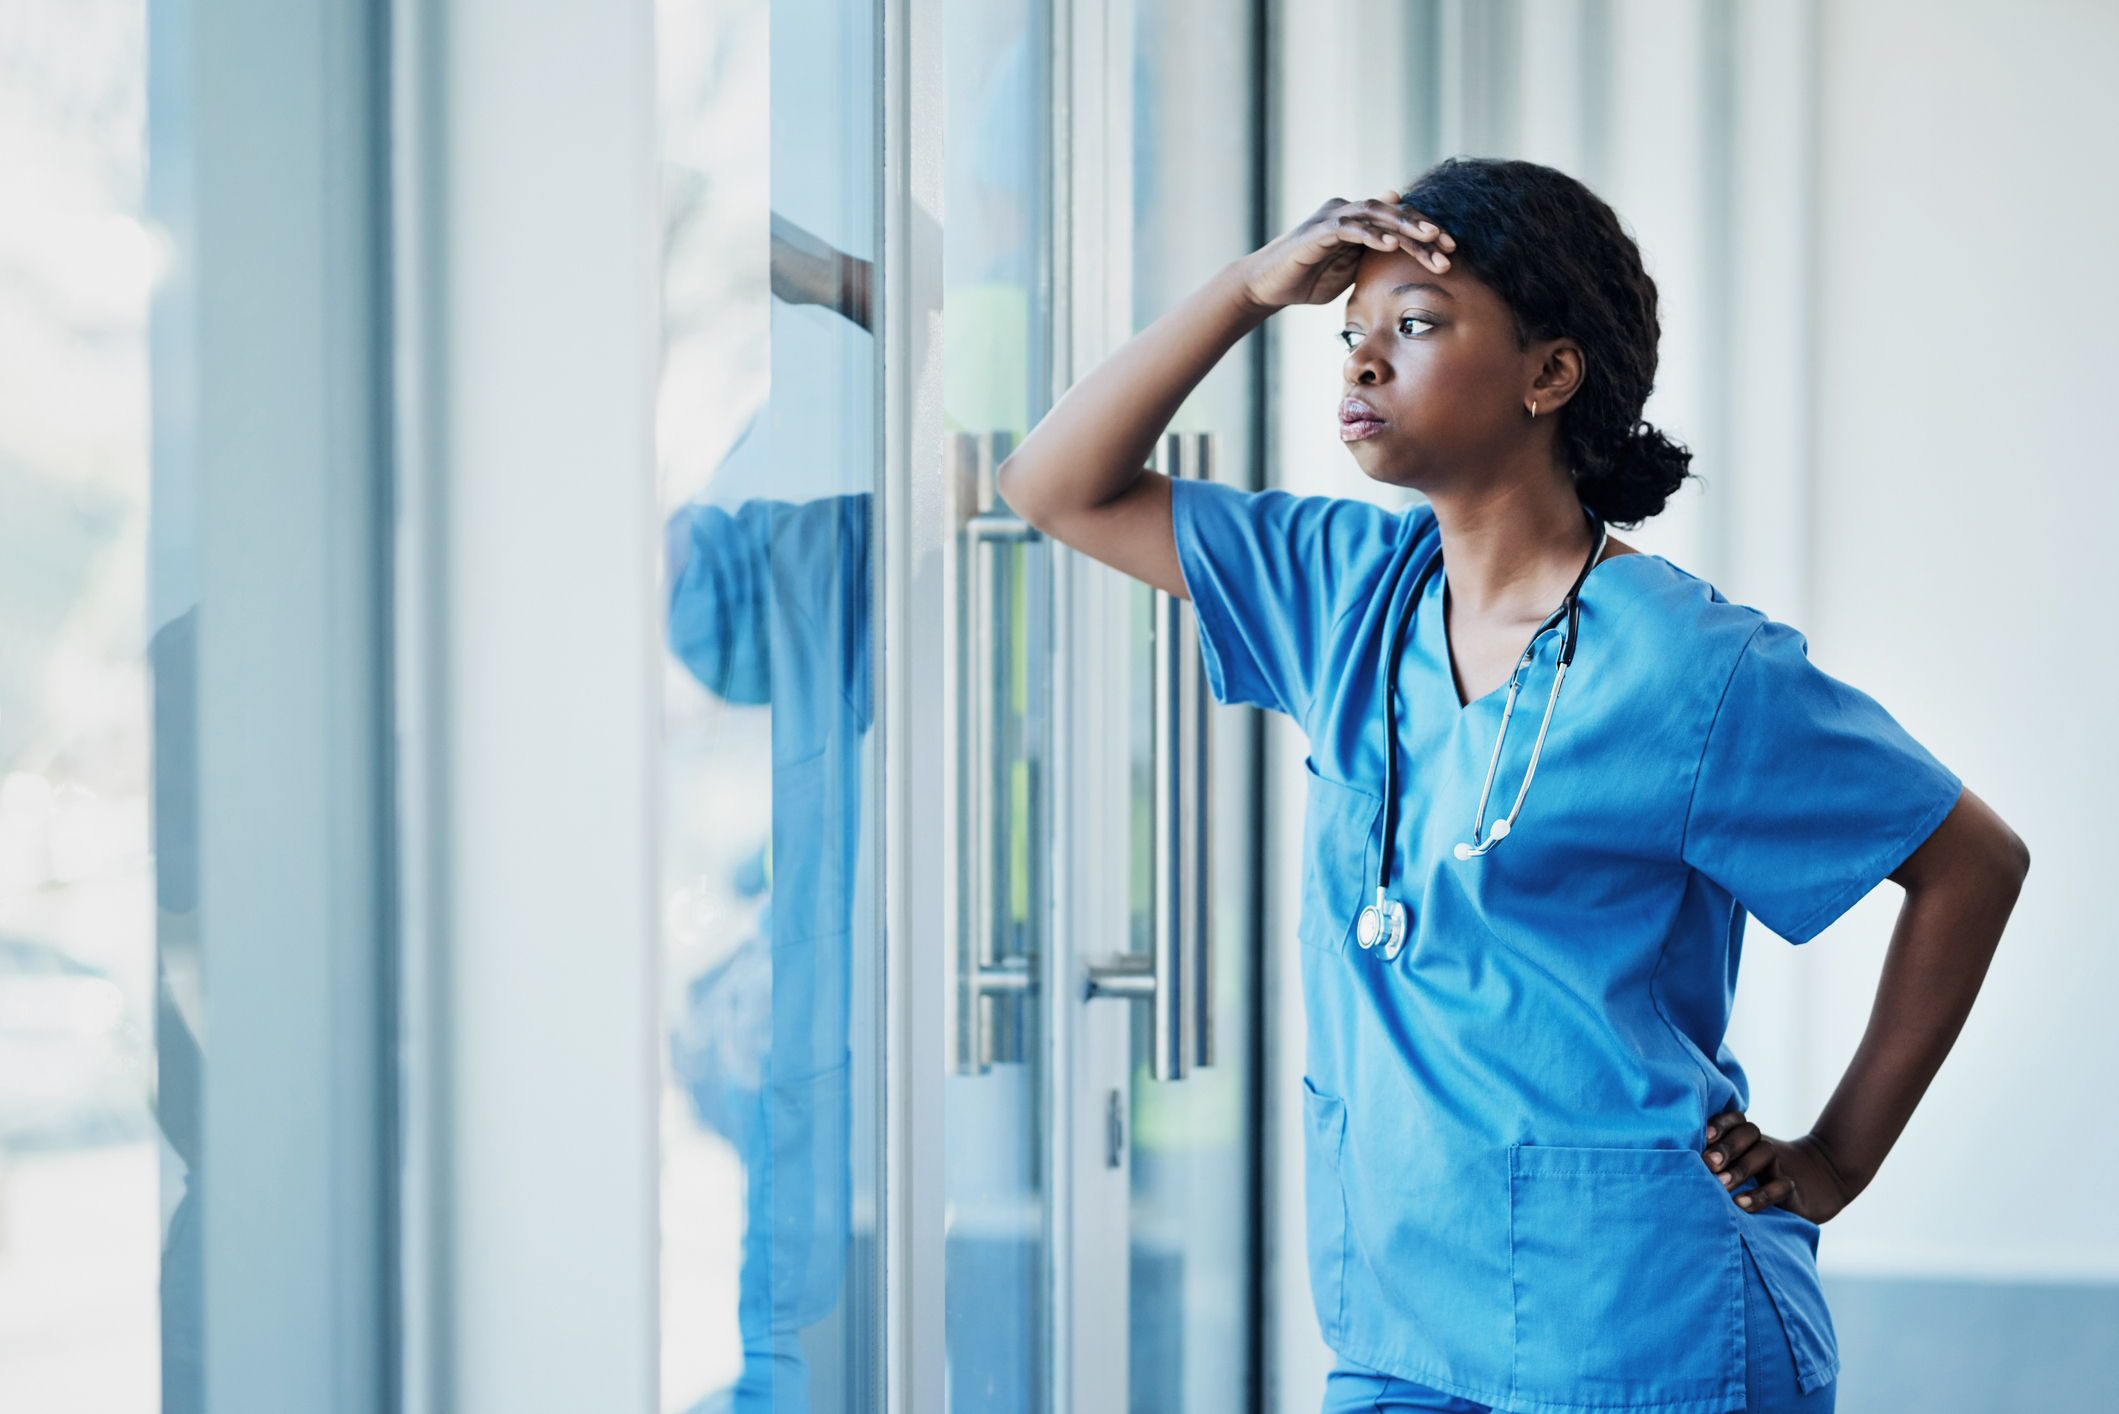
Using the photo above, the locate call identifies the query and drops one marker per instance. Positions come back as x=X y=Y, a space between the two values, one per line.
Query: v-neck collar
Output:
x=1433 y=604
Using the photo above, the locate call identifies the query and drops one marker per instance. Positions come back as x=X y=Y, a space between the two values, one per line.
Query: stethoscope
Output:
x=1384 y=920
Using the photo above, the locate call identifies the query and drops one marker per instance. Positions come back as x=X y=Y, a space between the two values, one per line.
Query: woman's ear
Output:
x=1557 y=374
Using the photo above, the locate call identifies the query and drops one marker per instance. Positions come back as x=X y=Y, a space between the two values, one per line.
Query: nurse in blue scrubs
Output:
x=1549 y=780
x=769 y=604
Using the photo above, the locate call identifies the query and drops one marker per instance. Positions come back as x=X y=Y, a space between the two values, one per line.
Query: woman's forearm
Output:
x=1091 y=448
x=1960 y=888
x=807 y=270
x=1080 y=476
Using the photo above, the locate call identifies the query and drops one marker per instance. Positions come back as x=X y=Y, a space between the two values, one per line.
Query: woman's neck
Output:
x=1512 y=549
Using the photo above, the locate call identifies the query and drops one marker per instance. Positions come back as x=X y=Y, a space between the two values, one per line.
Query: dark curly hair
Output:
x=1558 y=257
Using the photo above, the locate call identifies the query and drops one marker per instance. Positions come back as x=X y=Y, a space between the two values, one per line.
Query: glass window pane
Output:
x=89 y=1184
x=772 y=966
x=996 y=381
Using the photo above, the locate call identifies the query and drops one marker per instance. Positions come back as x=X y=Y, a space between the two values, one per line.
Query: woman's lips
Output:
x=1357 y=421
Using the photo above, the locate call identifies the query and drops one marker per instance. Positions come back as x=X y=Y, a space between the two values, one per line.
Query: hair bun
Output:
x=1634 y=480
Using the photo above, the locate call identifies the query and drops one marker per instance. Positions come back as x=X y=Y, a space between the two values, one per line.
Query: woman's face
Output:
x=1437 y=389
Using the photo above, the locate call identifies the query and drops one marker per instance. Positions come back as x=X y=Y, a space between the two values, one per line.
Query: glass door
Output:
x=1097 y=1134
x=1100 y=1122
x=773 y=955
x=996 y=272
x=1193 y=1192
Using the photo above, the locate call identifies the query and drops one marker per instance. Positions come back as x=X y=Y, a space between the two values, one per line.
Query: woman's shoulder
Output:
x=1331 y=531
x=1682 y=621
x=1276 y=502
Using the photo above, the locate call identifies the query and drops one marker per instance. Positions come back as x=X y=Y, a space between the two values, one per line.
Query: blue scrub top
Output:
x=770 y=604
x=1505 y=1195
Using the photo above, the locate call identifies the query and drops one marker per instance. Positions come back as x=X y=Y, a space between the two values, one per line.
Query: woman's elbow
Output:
x=2003 y=863
x=1017 y=485
x=2016 y=856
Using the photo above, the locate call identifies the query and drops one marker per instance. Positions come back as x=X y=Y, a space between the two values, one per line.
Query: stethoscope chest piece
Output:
x=1382 y=923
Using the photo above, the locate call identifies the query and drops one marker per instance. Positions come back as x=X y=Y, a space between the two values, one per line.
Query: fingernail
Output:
x=1728 y=1180
x=1714 y=1161
x=1713 y=1133
x=1744 y=1202
x=1442 y=262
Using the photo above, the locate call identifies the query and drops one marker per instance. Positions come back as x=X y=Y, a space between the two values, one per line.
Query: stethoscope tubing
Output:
x=1482 y=840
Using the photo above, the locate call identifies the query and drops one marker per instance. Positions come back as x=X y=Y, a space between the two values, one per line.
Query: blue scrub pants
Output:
x=1769 y=1374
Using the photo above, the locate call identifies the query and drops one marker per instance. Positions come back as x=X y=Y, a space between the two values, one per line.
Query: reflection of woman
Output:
x=1517 y=992
x=769 y=604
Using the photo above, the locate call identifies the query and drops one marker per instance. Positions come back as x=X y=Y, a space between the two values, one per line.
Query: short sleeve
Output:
x=1808 y=793
x=720 y=609
x=1270 y=575
x=770 y=602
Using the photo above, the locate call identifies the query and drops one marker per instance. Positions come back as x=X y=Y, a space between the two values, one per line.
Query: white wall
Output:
x=527 y=668
x=1880 y=228
x=1965 y=496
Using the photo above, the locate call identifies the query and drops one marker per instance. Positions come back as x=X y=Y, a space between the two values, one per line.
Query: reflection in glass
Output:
x=87 y=1182
x=772 y=961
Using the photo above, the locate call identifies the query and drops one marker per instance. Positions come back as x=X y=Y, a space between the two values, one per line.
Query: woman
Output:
x=1531 y=1185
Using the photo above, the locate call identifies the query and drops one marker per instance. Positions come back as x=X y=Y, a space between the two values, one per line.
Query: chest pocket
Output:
x=1340 y=830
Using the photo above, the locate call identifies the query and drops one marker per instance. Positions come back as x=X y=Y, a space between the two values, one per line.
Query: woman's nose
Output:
x=1363 y=366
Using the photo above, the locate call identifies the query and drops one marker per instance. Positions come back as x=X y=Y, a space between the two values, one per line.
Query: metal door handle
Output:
x=985 y=526
x=1176 y=977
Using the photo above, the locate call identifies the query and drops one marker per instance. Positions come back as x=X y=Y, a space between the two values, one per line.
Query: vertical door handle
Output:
x=984 y=647
x=1175 y=978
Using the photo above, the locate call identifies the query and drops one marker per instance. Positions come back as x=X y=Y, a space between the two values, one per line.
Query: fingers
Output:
x=1739 y=1141
x=1749 y=1161
x=1425 y=229
x=1440 y=238
x=1773 y=1194
x=1387 y=212
x=1384 y=225
x=1362 y=230
x=1723 y=1123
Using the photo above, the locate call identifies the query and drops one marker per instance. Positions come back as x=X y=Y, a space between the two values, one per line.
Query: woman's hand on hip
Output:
x=1317 y=261
x=1795 y=1174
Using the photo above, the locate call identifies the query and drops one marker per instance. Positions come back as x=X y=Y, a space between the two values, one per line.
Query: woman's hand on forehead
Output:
x=1439 y=246
x=1316 y=262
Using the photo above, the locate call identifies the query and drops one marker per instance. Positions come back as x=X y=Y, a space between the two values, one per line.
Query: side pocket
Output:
x=1324 y=1202
x=1628 y=1279
x=1340 y=826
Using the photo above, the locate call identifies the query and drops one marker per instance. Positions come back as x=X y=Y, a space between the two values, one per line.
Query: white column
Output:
x=528 y=662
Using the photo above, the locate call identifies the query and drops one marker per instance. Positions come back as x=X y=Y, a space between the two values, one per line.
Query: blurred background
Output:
x=530 y=750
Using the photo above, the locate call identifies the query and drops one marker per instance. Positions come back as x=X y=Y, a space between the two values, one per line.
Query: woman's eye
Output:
x=1413 y=328
x=1350 y=337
